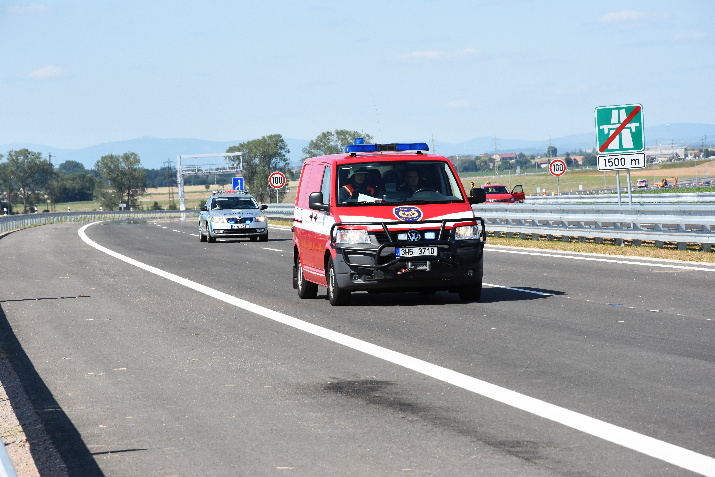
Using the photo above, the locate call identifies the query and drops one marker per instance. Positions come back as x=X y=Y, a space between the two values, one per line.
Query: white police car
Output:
x=232 y=214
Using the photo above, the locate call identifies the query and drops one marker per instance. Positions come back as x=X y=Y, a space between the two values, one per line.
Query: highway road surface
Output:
x=146 y=352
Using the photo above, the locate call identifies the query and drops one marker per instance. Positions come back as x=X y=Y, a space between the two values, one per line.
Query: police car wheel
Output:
x=202 y=236
x=306 y=289
x=471 y=292
x=209 y=238
x=263 y=238
x=336 y=295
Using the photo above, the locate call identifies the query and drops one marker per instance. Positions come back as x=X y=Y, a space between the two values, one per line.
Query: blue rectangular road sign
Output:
x=238 y=183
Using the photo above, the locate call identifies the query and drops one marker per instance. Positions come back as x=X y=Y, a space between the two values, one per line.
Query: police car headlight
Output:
x=218 y=220
x=466 y=232
x=261 y=218
x=351 y=236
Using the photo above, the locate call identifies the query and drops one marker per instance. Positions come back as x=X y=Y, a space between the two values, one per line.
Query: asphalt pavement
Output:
x=196 y=358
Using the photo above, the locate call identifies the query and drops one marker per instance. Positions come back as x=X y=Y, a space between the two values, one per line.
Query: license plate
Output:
x=239 y=226
x=415 y=251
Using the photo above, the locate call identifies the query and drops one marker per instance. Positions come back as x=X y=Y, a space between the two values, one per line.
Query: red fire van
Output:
x=385 y=217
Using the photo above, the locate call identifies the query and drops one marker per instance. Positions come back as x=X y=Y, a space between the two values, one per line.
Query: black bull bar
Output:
x=402 y=243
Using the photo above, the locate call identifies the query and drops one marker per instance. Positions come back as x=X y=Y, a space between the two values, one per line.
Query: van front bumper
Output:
x=377 y=268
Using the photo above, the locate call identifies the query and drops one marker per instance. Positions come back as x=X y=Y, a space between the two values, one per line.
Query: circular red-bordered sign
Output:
x=277 y=180
x=557 y=167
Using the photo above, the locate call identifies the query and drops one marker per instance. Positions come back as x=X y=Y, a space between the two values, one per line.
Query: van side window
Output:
x=325 y=186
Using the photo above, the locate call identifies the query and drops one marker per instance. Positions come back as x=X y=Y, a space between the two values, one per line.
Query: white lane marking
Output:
x=272 y=249
x=658 y=449
x=519 y=289
x=608 y=260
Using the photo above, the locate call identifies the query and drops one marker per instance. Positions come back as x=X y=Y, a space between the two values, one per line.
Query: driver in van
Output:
x=412 y=182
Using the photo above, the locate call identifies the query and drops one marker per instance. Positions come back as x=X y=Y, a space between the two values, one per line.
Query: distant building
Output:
x=664 y=152
x=505 y=157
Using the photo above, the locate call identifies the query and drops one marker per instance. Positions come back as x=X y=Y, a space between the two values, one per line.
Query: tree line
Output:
x=32 y=181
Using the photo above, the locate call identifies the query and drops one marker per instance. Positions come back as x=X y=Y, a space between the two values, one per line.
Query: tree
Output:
x=568 y=160
x=73 y=187
x=25 y=175
x=71 y=167
x=551 y=151
x=124 y=180
x=333 y=142
x=261 y=157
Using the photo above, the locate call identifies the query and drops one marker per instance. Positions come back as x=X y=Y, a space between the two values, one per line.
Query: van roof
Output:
x=381 y=156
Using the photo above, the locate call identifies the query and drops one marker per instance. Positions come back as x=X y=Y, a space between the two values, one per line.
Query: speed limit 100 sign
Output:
x=557 y=167
x=277 y=180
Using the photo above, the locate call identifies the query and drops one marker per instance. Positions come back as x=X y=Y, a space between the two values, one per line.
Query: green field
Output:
x=571 y=182
x=589 y=180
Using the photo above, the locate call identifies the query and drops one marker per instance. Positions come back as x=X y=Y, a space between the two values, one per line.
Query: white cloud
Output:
x=27 y=9
x=691 y=36
x=458 y=104
x=47 y=72
x=462 y=54
x=624 y=16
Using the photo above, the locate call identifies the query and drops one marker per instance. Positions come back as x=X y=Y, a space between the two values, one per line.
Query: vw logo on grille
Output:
x=413 y=235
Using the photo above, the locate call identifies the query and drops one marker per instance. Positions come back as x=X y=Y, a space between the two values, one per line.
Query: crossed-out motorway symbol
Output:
x=620 y=128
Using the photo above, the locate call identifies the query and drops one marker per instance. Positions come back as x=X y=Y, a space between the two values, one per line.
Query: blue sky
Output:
x=78 y=73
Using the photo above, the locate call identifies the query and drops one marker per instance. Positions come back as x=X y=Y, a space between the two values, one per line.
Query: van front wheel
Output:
x=336 y=295
x=471 y=292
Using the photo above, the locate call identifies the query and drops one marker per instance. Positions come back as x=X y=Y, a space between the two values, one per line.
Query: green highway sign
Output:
x=619 y=129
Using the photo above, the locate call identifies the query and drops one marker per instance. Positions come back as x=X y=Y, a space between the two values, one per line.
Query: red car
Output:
x=500 y=193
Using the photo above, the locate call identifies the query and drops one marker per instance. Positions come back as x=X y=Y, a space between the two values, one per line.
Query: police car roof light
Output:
x=416 y=146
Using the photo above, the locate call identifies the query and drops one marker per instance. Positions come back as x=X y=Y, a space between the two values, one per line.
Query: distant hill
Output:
x=154 y=152
x=682 y=134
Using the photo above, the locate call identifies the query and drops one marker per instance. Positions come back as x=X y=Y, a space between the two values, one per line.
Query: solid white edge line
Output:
x=658 y=449
x=608 y=260
x=518 y=289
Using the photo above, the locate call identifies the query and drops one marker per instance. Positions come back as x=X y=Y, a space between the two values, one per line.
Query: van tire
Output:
x=336 y=295
x=306 y=289
x=471 y=293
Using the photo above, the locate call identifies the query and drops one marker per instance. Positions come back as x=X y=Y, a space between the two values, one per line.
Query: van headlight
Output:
x=349 y=236
x=466 y=232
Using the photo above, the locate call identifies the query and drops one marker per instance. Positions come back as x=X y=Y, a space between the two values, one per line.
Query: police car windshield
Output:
x=222 y=203
x=392 y=182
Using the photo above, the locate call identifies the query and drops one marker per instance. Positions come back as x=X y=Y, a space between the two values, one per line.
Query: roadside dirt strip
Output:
x=42 y=459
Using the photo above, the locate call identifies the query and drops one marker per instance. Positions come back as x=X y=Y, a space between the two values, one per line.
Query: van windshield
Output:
x=392 y=182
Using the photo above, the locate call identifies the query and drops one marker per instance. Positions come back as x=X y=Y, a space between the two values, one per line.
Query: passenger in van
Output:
x=356 y=186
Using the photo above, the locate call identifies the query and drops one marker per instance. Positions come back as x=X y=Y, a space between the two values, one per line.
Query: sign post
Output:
x=620 y=141
x=557 y=168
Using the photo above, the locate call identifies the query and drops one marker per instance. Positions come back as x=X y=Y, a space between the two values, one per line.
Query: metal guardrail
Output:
x=666 y=198
x=674 y=223
x=678 y=223
x=21 y=221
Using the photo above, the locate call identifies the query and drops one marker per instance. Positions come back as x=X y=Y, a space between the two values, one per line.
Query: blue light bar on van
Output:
x=359 y=147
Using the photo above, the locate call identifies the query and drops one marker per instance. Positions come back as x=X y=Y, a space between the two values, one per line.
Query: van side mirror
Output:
x=478 y=195
x=315 y=201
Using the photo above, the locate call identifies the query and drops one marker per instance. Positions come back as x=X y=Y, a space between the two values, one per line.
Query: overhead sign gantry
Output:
x=235 y=167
